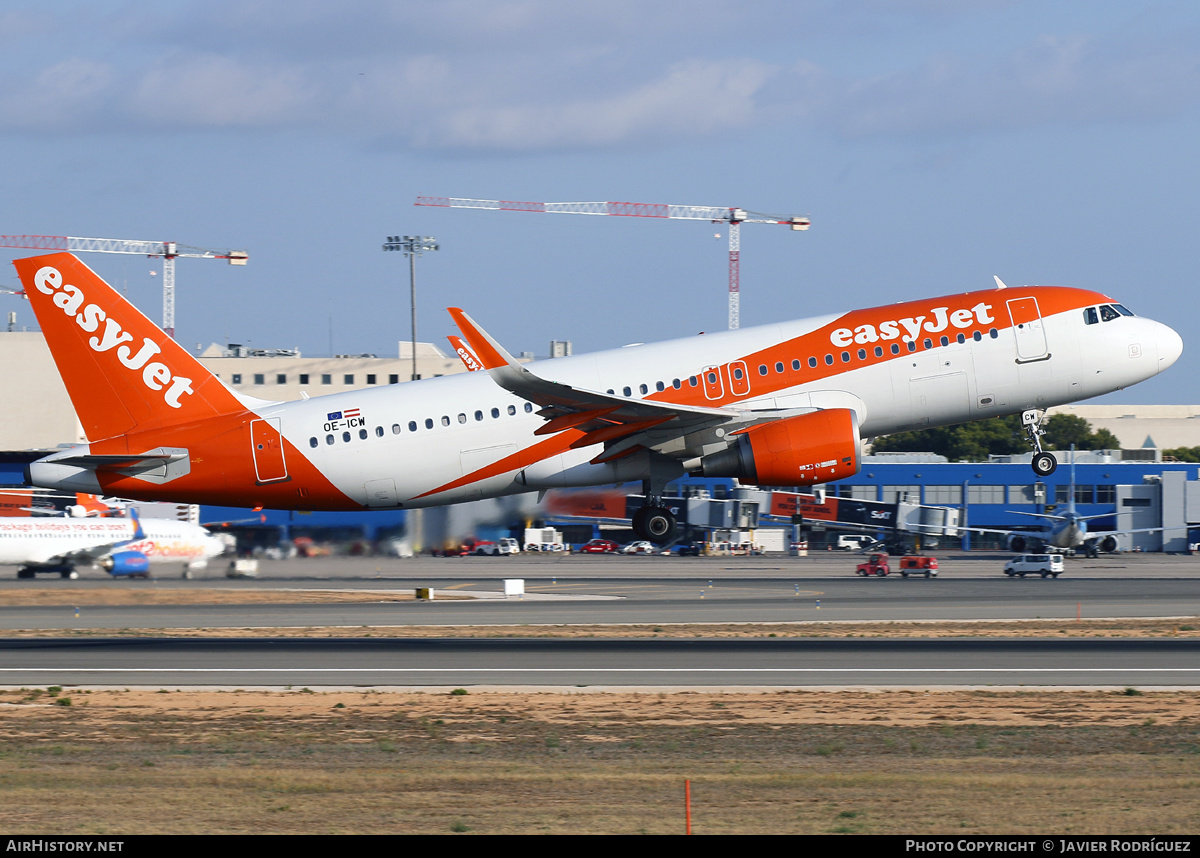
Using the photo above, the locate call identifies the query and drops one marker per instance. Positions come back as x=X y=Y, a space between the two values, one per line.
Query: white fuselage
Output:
x=48 y=541
x=939 y=386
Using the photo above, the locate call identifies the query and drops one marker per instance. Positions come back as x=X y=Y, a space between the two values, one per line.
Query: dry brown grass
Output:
x=293 y=761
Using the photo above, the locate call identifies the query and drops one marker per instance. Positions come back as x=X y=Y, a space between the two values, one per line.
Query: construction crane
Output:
x=732 y=217
x=168 y=250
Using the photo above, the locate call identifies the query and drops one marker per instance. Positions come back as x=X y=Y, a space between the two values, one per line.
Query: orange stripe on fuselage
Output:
x=818 y=343
x=522 y=459
x=222 y=469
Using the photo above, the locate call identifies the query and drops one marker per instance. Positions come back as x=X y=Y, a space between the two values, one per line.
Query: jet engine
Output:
x=819 y=447
x=1017 y=543
x=1107 y=544
x=134 y=564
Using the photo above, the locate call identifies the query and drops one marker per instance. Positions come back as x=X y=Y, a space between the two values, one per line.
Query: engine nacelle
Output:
x=127 y=563
x=1017 y=543
x=1107 y=544
x=797 y=451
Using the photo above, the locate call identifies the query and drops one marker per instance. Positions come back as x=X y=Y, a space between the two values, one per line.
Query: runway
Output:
x=559 y=591
x=646 y=600
x=585 y=663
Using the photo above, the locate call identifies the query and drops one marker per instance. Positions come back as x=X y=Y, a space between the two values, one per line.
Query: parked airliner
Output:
x=123 y=546
x=783 y=404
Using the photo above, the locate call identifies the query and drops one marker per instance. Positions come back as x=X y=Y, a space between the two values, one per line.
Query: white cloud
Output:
x=530 y=75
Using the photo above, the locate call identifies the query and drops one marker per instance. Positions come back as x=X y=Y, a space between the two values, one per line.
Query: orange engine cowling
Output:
x=797 y=451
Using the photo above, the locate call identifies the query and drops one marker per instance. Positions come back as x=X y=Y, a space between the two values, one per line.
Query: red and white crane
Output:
x=168 y=250
x=732 y=217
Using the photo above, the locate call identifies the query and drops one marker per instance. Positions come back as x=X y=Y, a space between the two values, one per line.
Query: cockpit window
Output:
x=1121 y=309
x=1090 y=316
x=1107 y=313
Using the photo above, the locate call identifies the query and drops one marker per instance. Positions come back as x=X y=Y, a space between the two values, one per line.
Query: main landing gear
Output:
x=1044 y=464
x=654 y=523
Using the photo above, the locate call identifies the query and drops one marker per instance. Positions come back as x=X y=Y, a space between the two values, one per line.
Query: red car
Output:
x=600 y=546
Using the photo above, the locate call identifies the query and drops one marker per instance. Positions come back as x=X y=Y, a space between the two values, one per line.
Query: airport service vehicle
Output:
x=918 y=564
x=599 y=546
x=124 y=547
x=853 y=542
x=876 y=564
x=783 y=404
x=1046 y=565
x=910 y=564
x=642 y=546
x=504 y=547
x=543 y=539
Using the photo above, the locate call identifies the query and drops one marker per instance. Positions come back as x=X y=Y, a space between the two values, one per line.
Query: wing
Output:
x=621 y=423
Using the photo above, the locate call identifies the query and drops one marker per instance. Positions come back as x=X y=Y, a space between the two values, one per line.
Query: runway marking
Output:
x=602 y=669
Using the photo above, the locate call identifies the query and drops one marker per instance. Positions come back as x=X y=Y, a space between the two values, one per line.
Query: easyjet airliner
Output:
x=784 y=404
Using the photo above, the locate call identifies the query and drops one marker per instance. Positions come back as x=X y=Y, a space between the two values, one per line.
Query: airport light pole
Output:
x=412 y=246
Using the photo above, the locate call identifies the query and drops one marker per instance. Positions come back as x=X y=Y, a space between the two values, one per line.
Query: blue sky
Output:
x=933 y=143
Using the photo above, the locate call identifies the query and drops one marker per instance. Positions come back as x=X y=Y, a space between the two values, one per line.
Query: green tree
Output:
x=1183 y=454
x=997 y=436
x=1063 y=430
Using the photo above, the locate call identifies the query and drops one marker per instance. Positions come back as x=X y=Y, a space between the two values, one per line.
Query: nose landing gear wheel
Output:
x=1044 y=464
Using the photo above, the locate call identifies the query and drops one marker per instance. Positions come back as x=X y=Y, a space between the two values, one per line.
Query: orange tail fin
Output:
x=121 y=370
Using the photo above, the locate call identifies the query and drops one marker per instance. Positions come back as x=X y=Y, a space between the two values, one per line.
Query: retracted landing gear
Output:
x=1044 y=464
x=654 y=523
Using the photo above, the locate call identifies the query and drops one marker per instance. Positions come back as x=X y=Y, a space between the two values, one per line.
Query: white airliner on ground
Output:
x=123 y=546
x=783 y=404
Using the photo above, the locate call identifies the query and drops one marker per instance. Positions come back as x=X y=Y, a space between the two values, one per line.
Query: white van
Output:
x=1027 y=564
x=852 y=541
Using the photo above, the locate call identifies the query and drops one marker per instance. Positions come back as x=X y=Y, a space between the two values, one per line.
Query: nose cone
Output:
x=1170 y=346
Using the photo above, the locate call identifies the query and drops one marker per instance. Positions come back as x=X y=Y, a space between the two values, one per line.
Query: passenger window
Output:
x=378 y=431
x=945 y=341
x=462 y=418
x=862 y=354
x=346 y=437
x=528 y=407
x=428 y=422
x=328 y=439
x=396 y=427
x=878 y=351
x=643 y=388
x=627 y=391
x=478 y=415
x=895 y=348
x=676 y=383
x=362 y=434
x=795 y=365
x=928 y=343
x=495 y=413
x=812 y=361
x=445 y=420
x=828 y=360
x=412 y=425
x=762 y=369
x=512 y=409
x=312 y=442
x=659 y=386
x=845 y=357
